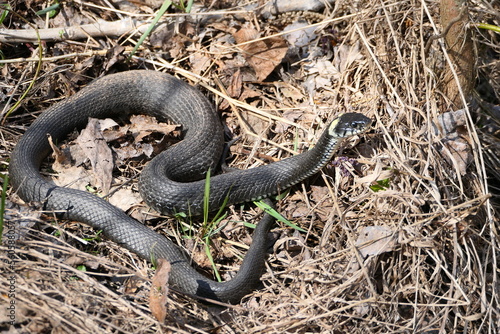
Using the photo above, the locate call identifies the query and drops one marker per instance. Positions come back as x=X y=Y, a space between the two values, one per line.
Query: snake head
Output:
x=349 y=124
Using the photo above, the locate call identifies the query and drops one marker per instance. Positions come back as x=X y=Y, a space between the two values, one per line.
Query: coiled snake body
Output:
x=166 y=183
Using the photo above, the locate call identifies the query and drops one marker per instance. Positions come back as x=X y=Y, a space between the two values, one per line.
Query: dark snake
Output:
x=174 y=180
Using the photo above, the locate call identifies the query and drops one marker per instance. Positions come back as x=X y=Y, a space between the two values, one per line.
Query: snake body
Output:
x=173 y=181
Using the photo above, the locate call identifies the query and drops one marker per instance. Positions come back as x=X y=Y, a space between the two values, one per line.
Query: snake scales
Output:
x=174 y=180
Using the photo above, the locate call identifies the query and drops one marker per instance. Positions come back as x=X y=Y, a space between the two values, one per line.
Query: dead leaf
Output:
x=69 y=16
x=379 y=173
x=321 y=72
x=125 y=198
x=375 y=240
x=257 y=125
x=320 y=194
x=449 y=122
x=290 y=115
x=197 y=252
x=76 y=260
x=248 y=94
x=199 y=62
x=264 y=55
x=112 y=132
x=58 y=154
x=234 y=89
x=222 y=26
x=285 y=6
x=92 y=142
x=301 y=34
x=71 y=176
x=345 y=55
x=457 y=152
x=142 y=126
x=23 y=217
x=291 y=92
x=133 y=285
x=300 y=210
x=451 y=129
x=114 y=55
x=159 y=290
x=107 y=123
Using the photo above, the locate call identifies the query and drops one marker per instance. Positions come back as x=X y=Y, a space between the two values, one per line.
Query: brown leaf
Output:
x=197 y=252
x=130 y=151
x=112 y=130
x=290 y=115
x=291 y=92
x=134 y=285
x=346 y=56
x=263 y=56
x=114 y=55
x=71 y=176
x=375 y=240
x=456 y=149
x=59 y=155
x=248 y=94
x=199 y=62
x=234 y=89
x=159 y=290
x=142 y=126
x=320 y=194
x=76 y=260
x=457 y=152
x=92 y=142
x=450 y=122
x=223 y=26
x=125 y=198
x=300 y=210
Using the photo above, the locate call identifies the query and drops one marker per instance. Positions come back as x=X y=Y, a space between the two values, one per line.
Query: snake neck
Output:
x=312 y=161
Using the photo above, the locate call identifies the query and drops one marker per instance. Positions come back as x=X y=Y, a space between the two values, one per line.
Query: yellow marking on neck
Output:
x=333 y=125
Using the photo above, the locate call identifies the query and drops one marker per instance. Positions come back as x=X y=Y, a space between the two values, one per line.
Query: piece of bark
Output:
x=454 y=20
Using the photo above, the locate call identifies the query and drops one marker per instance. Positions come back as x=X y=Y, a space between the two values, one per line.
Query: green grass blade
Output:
x=152 y=257
x=206 y=198
x=160 y=13
x=219 y=215
x=5 y=12
x=270 y=210
x=209 y=255
x=189 y=6
x=488 y=27
x=52 y=10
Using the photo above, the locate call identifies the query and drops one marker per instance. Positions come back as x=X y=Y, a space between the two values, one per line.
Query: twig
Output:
x=98 y=29
x=431 y=39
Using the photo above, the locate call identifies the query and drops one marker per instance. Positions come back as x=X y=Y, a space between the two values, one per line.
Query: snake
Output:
x=173 y=181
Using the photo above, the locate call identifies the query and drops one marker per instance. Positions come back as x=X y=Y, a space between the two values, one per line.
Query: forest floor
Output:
x=400 y=233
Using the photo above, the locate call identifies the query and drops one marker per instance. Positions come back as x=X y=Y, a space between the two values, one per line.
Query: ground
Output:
x=400 y=229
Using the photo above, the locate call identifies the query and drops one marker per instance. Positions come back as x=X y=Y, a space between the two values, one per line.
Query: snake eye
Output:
x=358 y=125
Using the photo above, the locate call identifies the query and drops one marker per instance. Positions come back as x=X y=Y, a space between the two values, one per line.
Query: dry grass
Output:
x=441 y=275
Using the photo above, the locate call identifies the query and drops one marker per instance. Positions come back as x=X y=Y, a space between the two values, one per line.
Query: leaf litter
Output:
x=366 y=60
x=91 y=148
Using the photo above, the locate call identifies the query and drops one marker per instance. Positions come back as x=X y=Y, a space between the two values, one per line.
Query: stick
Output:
x=98 y=29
